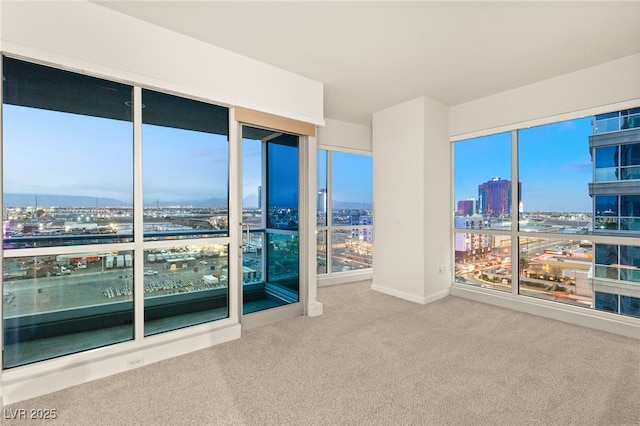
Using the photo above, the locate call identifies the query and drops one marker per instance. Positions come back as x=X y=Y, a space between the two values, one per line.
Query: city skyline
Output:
x=200 y=159
x=351 y=178
x=555 y=166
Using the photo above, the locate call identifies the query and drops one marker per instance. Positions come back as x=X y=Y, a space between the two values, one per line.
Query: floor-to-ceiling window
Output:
x=77 y=252
x=185 y=181
x=573 y=188
x=270 y=239
x=344 y=214
x=483 y=209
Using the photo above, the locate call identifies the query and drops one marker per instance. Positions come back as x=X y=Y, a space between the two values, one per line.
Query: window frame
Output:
x=329 y=276
x=515 y=233
x=138 y=246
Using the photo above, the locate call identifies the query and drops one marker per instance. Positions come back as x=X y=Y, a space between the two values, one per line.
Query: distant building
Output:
x=362 y=234
x=359 y=217
x=365 y=220
x=615 y=152
x=495 y=197
x=467 y=207
x=322 y=200
x=469 y=245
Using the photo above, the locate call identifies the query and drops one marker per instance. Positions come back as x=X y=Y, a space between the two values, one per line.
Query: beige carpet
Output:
x=372 y=359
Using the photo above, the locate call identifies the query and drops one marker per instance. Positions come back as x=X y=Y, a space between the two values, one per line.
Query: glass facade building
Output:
x=495 y=197
x=615 y=149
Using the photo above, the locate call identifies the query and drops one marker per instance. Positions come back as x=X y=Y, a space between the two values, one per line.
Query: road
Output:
x=87 y=287
x=563 y=297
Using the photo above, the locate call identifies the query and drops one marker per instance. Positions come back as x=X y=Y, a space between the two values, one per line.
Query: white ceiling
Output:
x=371 y=55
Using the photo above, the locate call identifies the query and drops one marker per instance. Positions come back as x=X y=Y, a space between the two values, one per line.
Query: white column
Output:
x=438 y=202
x=313 y=308
x=411 y=174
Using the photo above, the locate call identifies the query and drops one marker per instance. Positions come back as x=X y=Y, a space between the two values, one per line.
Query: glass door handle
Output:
x=248 y=229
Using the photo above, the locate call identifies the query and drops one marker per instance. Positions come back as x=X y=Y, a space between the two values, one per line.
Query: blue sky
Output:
x=70 y=154
x=352 y=176
x=183 y=165
x=251 y=171
x=67 y=154
x=48 y=152
x=554 y=165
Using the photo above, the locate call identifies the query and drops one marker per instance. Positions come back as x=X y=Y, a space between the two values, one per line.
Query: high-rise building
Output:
x=495 y=197
x=615 y=152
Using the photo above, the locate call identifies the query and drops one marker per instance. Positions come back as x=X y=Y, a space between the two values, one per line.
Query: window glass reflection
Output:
x=322 y=196
x=350 y=229
x=606 y=205
x=60 y=304
x=483 y=260
x=482 y=185
x=630 y=205
x=606 y=302
x=630 y=154
x=630 y=306
x=555 y=169
x=252 y=185
x=321 y=251
x=351 y=249
x=606 y=162
x=282 y=182
x=606 y=157
x=270 y=259
x=630 y=263
x=351 y=189
x=185 y=168
x=556 y=270
x=252 y=258
x=283 y=262
x=184 y=286
x=52 y=118
x=606 y=214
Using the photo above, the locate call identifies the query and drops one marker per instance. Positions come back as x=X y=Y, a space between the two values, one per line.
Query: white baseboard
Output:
x=315 y=309
x=582 y=316
x=344 y=277
x=411 y=297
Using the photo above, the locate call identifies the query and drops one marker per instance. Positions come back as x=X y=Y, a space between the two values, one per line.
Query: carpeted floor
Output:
x=373 y=359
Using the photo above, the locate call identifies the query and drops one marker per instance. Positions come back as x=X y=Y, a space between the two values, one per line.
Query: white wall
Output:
x=340 y=135
x=411 y=191
x=83 y=35
x=589 y=91
x=437 y=207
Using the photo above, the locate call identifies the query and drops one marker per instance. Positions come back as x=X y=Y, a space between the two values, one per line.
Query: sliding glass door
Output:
x=270 y=240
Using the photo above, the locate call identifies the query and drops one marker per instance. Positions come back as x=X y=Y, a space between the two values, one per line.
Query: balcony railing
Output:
x=87 y=239
x=615 y=124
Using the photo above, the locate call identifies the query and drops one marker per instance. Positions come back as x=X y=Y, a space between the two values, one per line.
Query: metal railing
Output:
x=615 y=124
